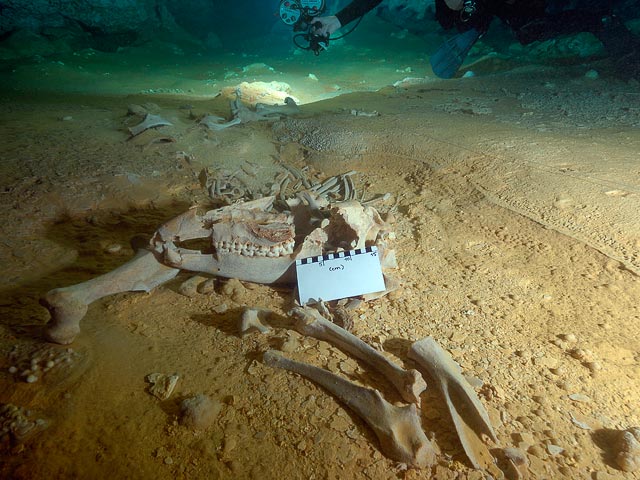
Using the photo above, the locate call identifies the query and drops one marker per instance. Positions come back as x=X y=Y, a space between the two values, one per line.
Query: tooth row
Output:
x=250 y=250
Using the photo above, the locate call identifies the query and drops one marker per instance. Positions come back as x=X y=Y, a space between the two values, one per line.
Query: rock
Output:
x=233 y=288
x=578 y=397
x=138 y=110
x=554 y=449
x=199 y=412
x=162 y=385
x=189 y=288
x=628 y=456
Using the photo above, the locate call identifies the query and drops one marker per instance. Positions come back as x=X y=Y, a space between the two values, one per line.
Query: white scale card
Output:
x=339 y=275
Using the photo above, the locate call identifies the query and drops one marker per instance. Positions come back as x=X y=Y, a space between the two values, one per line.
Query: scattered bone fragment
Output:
x=213 y=122
x=162 y=385
x=469 y=415
x=290 y=107
x=199 y=412
x=628 y=455
x=150 y=121
x=398 y=428
x=409 y=383
x=363 y=113
x=18 y=423
x=254 y=320
x=243 y=114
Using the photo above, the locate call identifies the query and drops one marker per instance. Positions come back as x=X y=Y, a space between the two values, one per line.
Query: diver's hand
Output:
x=328 y=25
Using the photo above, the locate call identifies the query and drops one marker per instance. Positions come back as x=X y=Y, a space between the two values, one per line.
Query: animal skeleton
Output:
x=246 y=241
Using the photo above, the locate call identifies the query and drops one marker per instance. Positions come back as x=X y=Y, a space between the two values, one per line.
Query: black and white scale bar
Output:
x=339 y=275
x=333 y=256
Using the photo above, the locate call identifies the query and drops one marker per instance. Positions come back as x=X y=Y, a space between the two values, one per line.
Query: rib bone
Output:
x=469 y=415
x=409 y=383
x=398 y=428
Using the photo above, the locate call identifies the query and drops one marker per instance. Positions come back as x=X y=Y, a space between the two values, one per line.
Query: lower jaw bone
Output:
x=398 y=428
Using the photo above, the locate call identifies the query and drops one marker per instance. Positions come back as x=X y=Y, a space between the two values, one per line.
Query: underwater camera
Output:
x=300 y=14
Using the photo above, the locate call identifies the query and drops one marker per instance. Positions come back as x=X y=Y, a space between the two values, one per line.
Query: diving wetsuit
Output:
x=356 y=9
x=533 y=20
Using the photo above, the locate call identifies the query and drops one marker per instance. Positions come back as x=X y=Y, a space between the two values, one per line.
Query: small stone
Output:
x=207 y=287
x=234 y=289
x=13 y=369
x=200 y=412
x=219 y=309
x=628 y=457
x=113 y=248
x=168 y=460
x=593 y=366
x=189 y=288
x=569 y=337
x=536 y=451
x=578 y=397
x=591 y=74
x=31 y=379
x=554 y=449
x=162 y=385
x=517 y=456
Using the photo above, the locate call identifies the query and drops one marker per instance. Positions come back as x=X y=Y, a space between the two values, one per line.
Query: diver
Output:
x=530 y=20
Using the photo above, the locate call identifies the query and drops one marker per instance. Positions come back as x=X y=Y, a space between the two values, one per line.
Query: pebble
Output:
x=234 y=289
x=13 y=369
x=113 y=248
x=628 y=456
x=554 y=449
x=189 y=288
x=593 y=366
x=162 y=385
x=569 y=337
x=517 y=456
x=207 y=287
x=31 y=379
x=578 y=397
x=592 y=74
x=200 y=411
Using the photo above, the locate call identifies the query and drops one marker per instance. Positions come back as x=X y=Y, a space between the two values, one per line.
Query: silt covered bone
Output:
x=409 y=383
x=469 y=415
x=398 y=428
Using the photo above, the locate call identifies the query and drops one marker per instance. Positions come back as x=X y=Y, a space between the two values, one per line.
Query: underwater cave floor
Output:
x=515 y=198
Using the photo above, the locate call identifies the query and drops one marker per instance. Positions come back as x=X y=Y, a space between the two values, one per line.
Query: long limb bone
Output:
x=398 y=428
x=409 y=383
x=68 y=305
x=469 y=415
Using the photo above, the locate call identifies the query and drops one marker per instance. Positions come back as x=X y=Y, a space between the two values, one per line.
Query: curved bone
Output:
x=69 y=305
x=150 y=121
x=469 y=415
x=409 y=383
x=253 y=320
x=398 y=428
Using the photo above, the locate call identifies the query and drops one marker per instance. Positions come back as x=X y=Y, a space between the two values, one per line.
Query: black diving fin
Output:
x=447 y=60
